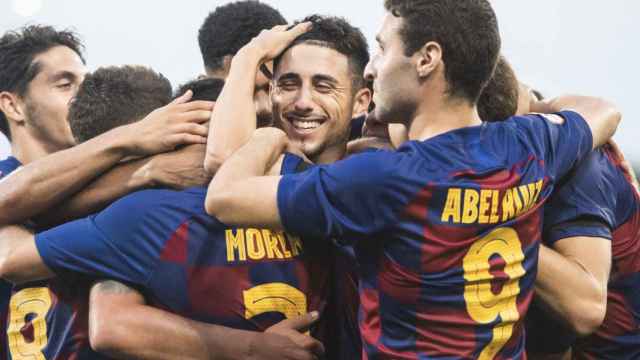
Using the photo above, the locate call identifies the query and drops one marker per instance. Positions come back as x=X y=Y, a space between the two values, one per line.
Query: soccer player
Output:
x=49 y=57
x=225 y=31
x=242 y=243
x=586 y=289
x=447 y=228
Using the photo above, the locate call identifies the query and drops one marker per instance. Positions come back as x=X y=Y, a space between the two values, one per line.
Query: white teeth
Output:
x=300 y=124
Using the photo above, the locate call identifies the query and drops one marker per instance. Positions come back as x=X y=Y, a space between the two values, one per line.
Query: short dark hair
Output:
x=230 y=27
x=336 y=33
x=499 y=99
x=467 y=31
x=18 y=48
x=203 y=89
x=114 y=96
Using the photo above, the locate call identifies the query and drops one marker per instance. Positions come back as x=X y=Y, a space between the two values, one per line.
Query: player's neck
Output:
x=27 y=148
x=438 y=115
x=331 y=154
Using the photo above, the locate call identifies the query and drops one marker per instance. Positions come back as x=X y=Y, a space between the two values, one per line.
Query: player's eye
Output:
x=64 y=85
x=324 y=88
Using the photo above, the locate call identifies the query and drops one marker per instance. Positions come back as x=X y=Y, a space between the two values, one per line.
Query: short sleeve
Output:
x=350 y=199
x=585 y=204
x=122 y=242
x=560 y=146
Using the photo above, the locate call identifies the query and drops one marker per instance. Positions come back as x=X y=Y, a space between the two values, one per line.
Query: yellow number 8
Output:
x=279 y=297
x=32 y=301
x=482 y=304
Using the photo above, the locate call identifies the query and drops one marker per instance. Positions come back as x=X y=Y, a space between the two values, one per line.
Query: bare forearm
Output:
x=112 y=185
x=570 y=290
x=602 y=116
x=252 y=160
x=234 y=117
x=45 y=182
x=231 y=196
x=123 y=326
x=19 y=258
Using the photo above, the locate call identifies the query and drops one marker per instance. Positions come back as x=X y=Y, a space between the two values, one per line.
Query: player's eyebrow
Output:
x=60 y=75
x=324 y=77
x=289 y=76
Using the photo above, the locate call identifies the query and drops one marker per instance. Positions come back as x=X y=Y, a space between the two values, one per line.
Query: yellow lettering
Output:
x=30 y=301
x=271 y=242
x=296 y=245
x=484 y=206
x=538 y=190
x=495 y=197
x=235 y=243
x=255 y=244
x=526 y=197
x=482 y=304
x=452 y=206
x=283 y=244
x=470 y=212
x=508 y=211
x=517 y=200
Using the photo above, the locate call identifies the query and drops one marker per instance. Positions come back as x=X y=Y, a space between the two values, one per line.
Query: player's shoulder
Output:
x=158 y=201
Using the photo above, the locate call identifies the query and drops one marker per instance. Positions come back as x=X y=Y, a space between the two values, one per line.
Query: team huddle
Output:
x=304 y=199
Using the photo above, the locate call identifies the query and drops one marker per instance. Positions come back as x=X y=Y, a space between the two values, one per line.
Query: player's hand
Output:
x=180 y=169
x=270 y=43
x=286 y=340
x=179 y=123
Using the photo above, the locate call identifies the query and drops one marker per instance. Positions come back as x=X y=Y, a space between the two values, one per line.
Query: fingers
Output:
x=197 y=116
x=183 y=98
x=193 y=129
x=301 y=323
x=185 y=139
x=300 y=29
x=196 y=105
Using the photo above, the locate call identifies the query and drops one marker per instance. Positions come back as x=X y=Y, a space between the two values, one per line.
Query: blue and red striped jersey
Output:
x=7 y=166
x=48 y=320
x=446 y=232
x=602 y=189
x=185 y=261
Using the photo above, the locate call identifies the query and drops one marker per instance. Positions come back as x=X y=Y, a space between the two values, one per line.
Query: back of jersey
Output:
x=453 y=277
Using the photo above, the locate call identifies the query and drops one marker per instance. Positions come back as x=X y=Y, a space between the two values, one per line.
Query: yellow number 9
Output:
x=482 y=304
x=279 y=297
x=32 y=301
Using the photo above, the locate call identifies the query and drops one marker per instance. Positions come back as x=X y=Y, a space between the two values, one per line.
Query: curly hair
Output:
x=114 y=96
x=499 y=99
x=230 y=27
x=467 y=31
x=336 y=33
x=19 y=48
x=203 y=89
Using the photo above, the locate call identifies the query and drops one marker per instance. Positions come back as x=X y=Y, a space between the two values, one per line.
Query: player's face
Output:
x=313 y=99
x=49 y=94
x=394 y=75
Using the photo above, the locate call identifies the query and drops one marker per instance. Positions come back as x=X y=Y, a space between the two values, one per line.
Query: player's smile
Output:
x=304 y=125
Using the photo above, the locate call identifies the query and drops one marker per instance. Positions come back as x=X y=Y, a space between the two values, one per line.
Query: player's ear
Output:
x=361 y=102
x=12 y=107
x=427 y=59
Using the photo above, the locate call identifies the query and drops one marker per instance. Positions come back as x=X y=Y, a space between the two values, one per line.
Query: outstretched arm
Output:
x=123 y=326
x=602 y=116
x=39 y=185
x=234 y=117
x=178 y=169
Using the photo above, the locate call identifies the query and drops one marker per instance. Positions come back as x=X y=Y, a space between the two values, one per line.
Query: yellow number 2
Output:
x=279 y=297
x=34 y=302
x=482 y=304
